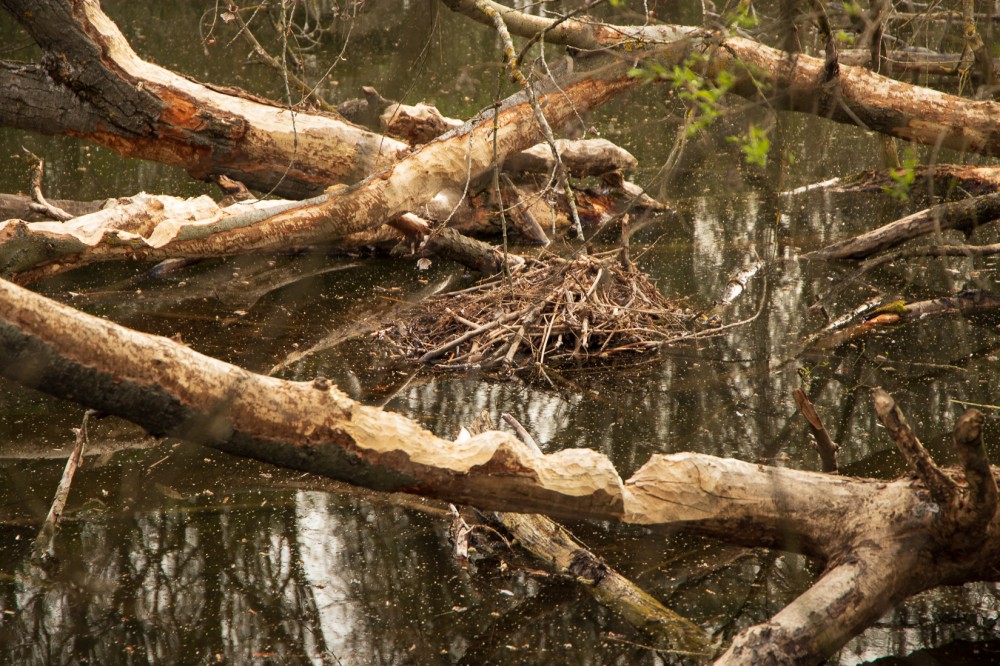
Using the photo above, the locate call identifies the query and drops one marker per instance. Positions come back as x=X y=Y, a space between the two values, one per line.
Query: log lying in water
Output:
x=963 y=215
x=880 y=541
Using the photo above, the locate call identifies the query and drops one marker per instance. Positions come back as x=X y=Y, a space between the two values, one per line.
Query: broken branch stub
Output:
x=939 y=484
x=976 y=506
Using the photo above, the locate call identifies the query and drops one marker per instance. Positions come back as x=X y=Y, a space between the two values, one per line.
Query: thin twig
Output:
x=43 y=542
x=36 y=190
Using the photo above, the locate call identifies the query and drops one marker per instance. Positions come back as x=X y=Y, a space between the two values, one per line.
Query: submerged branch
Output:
x=863 y=529
x=963 y=215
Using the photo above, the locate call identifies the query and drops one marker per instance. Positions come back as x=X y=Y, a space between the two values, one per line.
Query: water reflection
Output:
x=224 y=561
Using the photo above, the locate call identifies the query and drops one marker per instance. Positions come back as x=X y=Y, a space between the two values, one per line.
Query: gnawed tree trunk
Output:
x=794 y=82
x=562 y=552
x=92 y=85
x=446 y=163
x=880 y=541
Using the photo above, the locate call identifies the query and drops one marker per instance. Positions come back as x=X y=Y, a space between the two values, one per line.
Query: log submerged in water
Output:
x=881 y=541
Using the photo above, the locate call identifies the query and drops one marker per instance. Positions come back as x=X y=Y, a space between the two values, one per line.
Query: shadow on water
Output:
x=175 y=554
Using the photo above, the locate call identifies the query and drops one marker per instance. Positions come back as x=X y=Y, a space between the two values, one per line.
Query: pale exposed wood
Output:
x=941 y=487
x=562 y=552
x=877 y=538
x=586 y=157
x=973 y=509
x=416 y=124
x=339 y=215
x=43 y=542
x=139 y=109
x=855 y=96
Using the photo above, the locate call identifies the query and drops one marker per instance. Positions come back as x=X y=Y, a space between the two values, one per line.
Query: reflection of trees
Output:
x=166 y=587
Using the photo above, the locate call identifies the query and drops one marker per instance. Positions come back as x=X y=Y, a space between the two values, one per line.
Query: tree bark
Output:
x=794 y=82
x=881 y=541
x=92 y=85
x=963 y=215
x=446 y=163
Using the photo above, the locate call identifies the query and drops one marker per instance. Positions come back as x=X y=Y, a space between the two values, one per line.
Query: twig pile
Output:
x=558 y=312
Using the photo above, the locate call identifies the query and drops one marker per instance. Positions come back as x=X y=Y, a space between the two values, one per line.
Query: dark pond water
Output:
x=177 y=554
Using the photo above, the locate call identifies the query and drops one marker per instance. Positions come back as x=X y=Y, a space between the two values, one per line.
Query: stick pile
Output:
x=558 y=312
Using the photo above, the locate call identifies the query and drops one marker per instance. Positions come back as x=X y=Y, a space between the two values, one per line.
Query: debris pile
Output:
x=557 y=312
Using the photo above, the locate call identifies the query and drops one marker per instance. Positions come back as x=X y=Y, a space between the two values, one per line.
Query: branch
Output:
x=879 y=538
x=113 y=97
x=43 y=542
x=964 y=215
x=975 y=508
x=940 y=485
x=463 y=154
x=861 y=97
x=825 y=445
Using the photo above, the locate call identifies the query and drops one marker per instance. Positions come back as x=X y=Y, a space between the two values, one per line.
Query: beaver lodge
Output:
x=557 y=313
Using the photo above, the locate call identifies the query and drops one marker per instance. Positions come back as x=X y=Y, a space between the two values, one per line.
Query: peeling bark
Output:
x=92 y=85
x=881 y=541
x=338 y=216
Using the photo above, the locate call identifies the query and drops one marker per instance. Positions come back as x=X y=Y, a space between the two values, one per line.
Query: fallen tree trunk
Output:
x=92 y=85
x=880 y=541
x=446 y=163
x=115 y=98
x=966 y=303
x=963 y=215
x=562 y=552
x=793 y=82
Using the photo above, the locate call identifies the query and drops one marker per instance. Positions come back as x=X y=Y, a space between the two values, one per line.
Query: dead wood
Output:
x=43 y=542
x=111 y=96
x=941 y=487
x=562 y=552
x=735 y=288
x=534 y=210
x=872 y=320
x=55 y=212
x=956 y=250
x=348 y=216
x=919 y=62
x=475 y=254
x=825 y=445
x=415 y=124
x=556 y=312
x=879 y=540
x=524 y=221
x=963 y=215
x=929 y=180
x=855 y=96
x=21 y=207
x=588 y=157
